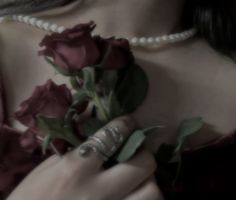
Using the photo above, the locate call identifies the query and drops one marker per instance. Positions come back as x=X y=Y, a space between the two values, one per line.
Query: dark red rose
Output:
x=75 y=49
x=49 y=100
x=72 y=49
x=114 y=53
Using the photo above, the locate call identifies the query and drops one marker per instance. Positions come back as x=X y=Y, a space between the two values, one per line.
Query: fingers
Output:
x=93 y=161
x=52 y=160
x=147 y=191
x=125 y=177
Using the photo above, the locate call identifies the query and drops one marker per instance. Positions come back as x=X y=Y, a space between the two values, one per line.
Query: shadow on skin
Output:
x=166 y=105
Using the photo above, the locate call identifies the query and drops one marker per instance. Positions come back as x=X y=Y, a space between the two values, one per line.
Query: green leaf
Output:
x=91 y=126
x=108 y=81
x=188 y=127
x=69 y=115
x=150 y=130
x=46 y=142
x=57 y=129
x=131 y=146
x=58 y=68
x=114 y=109
x=74 y=82
x=79 y=98
x=131 y=88
x=89 y=78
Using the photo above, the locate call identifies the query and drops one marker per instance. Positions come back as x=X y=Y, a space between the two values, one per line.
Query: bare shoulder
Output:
x=214 y=75
x=203 y=53
x=198 y=58
x=191 y=79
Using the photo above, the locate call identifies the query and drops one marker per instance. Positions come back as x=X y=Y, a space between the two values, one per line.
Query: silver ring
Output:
x=116 y=134
x=113 y=134
x=104 y=147
x=102 y=144
x=87 y=147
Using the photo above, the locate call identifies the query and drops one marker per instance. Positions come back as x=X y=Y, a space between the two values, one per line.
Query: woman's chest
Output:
x=177 y=89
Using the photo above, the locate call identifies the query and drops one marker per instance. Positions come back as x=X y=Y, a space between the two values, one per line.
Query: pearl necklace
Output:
x=143 y=42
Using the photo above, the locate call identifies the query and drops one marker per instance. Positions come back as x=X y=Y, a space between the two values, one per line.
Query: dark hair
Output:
x=215 y=21
x=8 y=7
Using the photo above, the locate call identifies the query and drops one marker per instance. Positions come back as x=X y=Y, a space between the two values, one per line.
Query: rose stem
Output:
x=100 y=107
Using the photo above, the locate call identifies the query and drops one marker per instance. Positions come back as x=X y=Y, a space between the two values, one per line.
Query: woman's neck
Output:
x=125 y=18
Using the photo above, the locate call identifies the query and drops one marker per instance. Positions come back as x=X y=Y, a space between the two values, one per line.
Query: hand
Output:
x=76 y=177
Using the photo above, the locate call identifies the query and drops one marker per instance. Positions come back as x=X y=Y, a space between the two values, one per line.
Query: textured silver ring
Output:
x=113 y=135
x=87 y=147
x=105 y=146
x=117 y=135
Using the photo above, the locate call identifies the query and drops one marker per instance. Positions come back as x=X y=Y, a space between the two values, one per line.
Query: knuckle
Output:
x=67 y=168
x=126 y=122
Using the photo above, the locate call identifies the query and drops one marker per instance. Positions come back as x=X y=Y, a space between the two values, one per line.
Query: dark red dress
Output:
x=206 y=171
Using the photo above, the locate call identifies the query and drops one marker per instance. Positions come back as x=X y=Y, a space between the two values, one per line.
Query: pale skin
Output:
x=186 y=80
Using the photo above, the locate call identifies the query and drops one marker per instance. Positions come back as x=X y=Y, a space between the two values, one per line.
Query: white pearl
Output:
x=32 y=21
x=157 y=39
x=26 y=19
x=20 y=18
x=164 y=38
x=60 y=29
x=142 y=40
x=176 y=36
x=134 y=41
x=53 y=27
x=189 y=33
x=46 y=25
x=150 y=40
x=182 y=36
x=39 y=23
x=172 y=38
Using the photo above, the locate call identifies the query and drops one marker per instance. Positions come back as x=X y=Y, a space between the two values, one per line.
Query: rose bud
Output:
x=73 y=49
x=114 y=53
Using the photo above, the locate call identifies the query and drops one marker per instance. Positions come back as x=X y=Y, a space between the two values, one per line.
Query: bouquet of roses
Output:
x=106 y=83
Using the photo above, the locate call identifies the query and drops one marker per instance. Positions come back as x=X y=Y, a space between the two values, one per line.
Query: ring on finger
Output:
x=105 y=146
